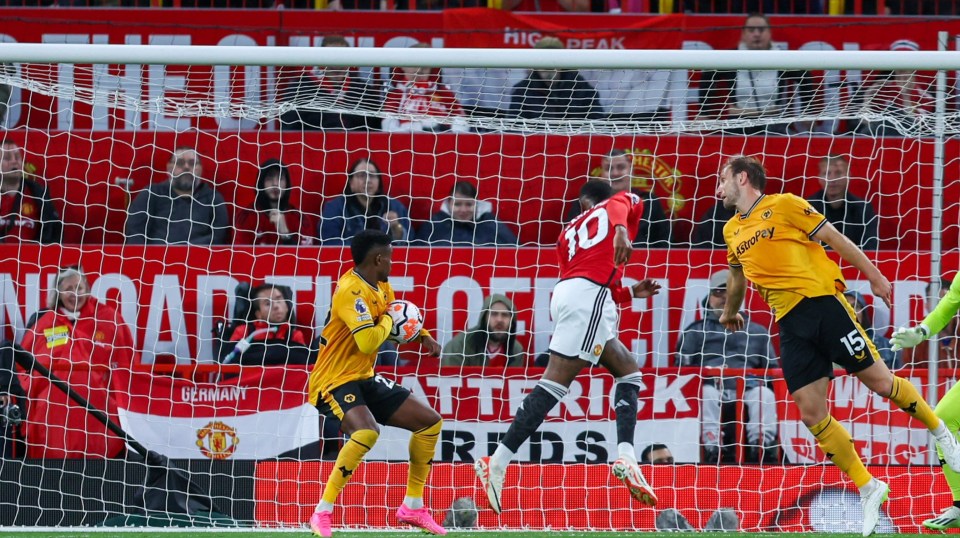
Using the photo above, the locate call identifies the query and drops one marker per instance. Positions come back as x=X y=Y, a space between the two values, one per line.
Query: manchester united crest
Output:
x=217 y=440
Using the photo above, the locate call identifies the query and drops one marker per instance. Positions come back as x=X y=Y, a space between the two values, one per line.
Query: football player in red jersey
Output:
x=592 y=250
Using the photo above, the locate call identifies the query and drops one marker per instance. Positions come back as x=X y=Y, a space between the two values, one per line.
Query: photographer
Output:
x=12 y=401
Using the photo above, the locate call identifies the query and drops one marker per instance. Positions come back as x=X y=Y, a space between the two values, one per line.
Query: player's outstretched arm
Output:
x=934 y=322
x=852 y=254
x=736 y=290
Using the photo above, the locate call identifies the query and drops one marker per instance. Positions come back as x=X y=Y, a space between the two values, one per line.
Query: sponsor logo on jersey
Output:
x=745 y=245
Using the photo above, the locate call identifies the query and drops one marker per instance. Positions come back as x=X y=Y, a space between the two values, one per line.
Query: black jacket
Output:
x=854 y=218
x=569 y=97
x=708 y=232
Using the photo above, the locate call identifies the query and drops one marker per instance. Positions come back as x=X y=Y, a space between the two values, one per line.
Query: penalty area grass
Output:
x=202 y=533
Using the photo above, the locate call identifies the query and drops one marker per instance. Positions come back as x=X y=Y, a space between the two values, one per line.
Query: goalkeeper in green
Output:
x=949 y=407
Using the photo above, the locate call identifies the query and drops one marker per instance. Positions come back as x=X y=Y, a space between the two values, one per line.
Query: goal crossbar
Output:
x=476 y=58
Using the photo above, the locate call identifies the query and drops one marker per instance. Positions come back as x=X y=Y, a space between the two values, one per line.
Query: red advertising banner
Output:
x=767 y=498
x=531 y=180
x=172 y=296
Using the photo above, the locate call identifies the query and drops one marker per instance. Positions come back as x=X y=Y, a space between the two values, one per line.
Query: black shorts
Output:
x=380 y=395
x=817 y=333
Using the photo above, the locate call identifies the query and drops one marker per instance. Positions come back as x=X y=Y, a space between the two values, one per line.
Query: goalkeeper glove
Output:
x=905 y=338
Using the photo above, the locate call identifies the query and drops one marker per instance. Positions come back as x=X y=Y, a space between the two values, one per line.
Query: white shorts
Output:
x=585 y=318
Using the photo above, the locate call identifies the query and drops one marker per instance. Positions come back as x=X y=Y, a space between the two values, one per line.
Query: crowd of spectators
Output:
x=186 y=208
x=745 y=101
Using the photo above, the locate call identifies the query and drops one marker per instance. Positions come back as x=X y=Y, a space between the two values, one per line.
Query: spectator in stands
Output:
x=486 y=91
x=638 y=94
x=465 y=221
x=708 y=231
x=492 y=342
x=340 y=87
x=899 y=96
x=363 y=206
x=707 y=344
x=864 y=312
x=854 y=217
x=657 y=454
x=26 y=212
x=554 y=94
x=273 y=220
x=418 y=101
x=82 y=341
x=756 y=94
x=270 y=336
x=617 y=168
x=185 y=209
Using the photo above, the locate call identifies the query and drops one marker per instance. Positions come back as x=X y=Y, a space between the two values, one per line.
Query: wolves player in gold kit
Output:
x=774 y=241
x=344 y=385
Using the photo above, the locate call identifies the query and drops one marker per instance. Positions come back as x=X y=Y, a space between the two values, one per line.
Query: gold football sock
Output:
x=836 y=443
x=905 y=395
x=349 y=458
x=423 y=443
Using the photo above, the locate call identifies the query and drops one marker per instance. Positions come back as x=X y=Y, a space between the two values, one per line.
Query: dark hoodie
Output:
x=706 y=343
x=443 y=231
x=469 y=348
x=893 y=359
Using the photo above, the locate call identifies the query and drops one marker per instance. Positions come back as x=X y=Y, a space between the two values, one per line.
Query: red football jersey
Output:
x=585 y=247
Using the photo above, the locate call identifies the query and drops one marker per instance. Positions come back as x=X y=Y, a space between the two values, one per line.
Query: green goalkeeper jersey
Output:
x=946 y=308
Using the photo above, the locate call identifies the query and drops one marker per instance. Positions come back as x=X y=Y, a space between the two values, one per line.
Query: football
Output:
x=407 y=321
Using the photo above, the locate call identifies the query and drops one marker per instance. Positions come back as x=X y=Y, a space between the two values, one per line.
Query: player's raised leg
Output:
x=551 y=388
x=585 y=316
x=948 y=410
x=359 y=424
x=901 y=392
x=425 y=425
x=623 y=366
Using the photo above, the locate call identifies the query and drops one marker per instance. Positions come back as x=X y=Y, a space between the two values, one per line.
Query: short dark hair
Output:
x=365 y=241
x=756 y=15
x=285 y=291
x=464 y=188
x=596 y=191
x=614 y=153
x=335 y=40
x=754 y=169
x=645 y=455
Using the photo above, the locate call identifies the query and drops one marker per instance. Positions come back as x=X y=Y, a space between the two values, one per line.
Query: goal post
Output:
x=98 y=128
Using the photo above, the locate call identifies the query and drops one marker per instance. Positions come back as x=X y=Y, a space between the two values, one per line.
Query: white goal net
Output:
x=153 y=214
